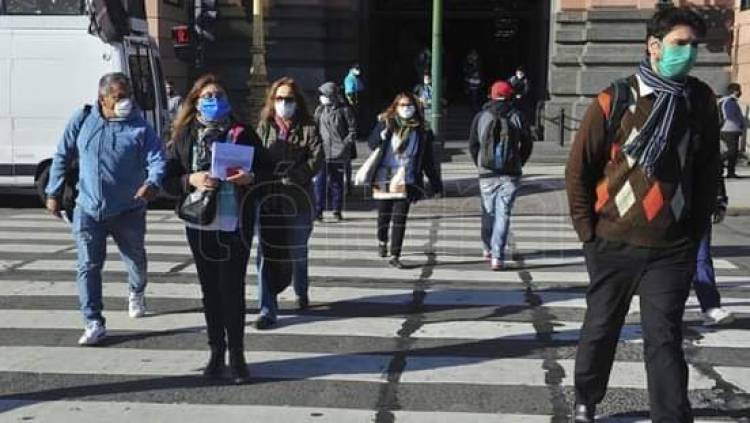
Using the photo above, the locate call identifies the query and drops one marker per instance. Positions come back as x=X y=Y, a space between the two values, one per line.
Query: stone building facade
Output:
x=571 y=49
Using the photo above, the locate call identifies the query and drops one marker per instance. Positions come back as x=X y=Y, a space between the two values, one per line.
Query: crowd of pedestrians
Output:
x=641 y=204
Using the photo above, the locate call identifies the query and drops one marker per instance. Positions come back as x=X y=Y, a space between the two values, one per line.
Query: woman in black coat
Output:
x=220 y=248
x=406 y=147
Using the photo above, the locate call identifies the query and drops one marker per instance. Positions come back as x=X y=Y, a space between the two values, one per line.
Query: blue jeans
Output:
x=704 y=281
x=128 y=230
x=498 y=194
x=330 y=182
x=300 y=228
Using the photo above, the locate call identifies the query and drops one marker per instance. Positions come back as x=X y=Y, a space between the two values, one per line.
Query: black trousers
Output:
x=396 y=211
x=662 y=278
x=732 y=141
x=221 y=261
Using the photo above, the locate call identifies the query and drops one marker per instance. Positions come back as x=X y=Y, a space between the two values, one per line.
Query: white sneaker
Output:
x=93 y=334
x=136 y=305
x=717 y=316
x=496 y=264
x=486 y=254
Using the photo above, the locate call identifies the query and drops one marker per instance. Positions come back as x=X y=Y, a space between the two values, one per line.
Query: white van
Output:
x=49 y=67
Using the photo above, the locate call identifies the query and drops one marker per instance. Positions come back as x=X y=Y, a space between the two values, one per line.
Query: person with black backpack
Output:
x=500 y=145
x=641 y=185
x=120 y=162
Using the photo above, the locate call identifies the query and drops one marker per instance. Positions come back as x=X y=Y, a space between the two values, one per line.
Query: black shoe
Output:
x=338 y=216
x=383 y=249
x=264 y=323
x=319 y=217
x=238 y=367
x=303 y=303
x=395 y=262
x=216 y=365
x=583 y=413
x=733 y=176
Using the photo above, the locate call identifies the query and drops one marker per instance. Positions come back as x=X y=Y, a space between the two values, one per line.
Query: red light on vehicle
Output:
x=181 y=35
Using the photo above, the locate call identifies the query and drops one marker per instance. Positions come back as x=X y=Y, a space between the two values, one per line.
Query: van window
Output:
x=142 y=78
x=42 y=7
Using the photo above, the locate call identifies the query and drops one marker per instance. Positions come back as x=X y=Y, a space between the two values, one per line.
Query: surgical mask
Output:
x=325 y=100
x=123 y=108
x=520 y=75
x=214 y=108
x=356 y=72
x=427 y=81
x=676 y=61
x=406 y=112
x=285 y=109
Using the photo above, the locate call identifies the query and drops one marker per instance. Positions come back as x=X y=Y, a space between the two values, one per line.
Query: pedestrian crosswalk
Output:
x=442 y=340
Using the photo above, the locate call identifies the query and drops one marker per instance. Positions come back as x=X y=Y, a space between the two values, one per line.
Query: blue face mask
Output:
x=214 y=109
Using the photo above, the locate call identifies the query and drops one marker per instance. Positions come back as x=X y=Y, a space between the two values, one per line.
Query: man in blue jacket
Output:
x=121 y=164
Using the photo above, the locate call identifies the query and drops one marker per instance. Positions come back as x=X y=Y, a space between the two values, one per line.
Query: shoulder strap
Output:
x=84 y=115
x=621 y=97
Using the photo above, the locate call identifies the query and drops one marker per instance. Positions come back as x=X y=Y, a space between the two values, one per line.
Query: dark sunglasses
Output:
x=217 y=95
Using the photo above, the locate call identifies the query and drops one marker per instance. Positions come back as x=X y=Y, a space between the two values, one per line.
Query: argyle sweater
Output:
x=611 y=197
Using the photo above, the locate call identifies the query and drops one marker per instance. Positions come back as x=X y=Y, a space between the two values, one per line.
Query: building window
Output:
x=745 y=4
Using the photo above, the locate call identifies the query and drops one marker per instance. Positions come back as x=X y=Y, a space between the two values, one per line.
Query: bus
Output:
x=50 y=67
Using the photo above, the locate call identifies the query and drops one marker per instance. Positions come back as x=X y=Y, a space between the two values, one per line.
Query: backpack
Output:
x=722 y=116
x=108 y=20
x=70 y=178
x=499 y=145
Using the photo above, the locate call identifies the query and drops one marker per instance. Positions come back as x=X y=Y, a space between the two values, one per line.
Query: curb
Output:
x=738 y=211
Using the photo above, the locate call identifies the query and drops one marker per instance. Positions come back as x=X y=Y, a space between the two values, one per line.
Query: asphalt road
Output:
x=443 y=340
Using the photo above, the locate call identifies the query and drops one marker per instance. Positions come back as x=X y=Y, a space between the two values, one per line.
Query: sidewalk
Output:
x=738 y=191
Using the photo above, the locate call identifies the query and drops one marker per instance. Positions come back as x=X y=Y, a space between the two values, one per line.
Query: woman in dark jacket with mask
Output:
x=290 y=141
x=398 y=180
x=220 y=248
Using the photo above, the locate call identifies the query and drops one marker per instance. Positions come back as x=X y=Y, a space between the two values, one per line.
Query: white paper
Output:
x=227 y=158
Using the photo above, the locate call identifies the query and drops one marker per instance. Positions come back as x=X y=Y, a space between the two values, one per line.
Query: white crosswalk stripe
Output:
x=467 y=328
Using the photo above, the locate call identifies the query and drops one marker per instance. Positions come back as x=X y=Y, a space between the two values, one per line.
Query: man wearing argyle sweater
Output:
x=641 y=187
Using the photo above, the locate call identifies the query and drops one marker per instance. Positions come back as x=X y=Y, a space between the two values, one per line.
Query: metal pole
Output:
x=258 y=82
x=562 y=127
x=437 y=79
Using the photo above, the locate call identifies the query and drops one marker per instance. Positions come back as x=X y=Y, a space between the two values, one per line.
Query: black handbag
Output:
x=198 y=207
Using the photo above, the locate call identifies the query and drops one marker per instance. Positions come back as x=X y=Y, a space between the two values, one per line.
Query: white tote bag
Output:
x=367 y=170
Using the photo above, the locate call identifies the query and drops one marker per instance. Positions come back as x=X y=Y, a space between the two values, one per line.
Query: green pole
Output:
x=437 y=77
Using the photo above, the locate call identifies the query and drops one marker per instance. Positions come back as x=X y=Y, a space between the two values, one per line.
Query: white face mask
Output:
x=427 y=81
x=355 y=72
x=285 y=110
x=325 y=100
x=123 y=108
x=406 y=112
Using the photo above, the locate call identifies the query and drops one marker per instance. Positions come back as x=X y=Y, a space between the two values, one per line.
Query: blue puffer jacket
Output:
x=115 y=158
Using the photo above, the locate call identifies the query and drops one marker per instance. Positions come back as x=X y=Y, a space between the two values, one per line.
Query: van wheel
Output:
x=41 y=184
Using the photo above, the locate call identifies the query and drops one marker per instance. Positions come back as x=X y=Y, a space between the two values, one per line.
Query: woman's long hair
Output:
x=302 y=114
x=390 y=113
x=188 y=109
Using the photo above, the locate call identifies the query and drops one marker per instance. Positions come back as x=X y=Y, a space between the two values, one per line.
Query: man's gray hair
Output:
x=111 y=79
